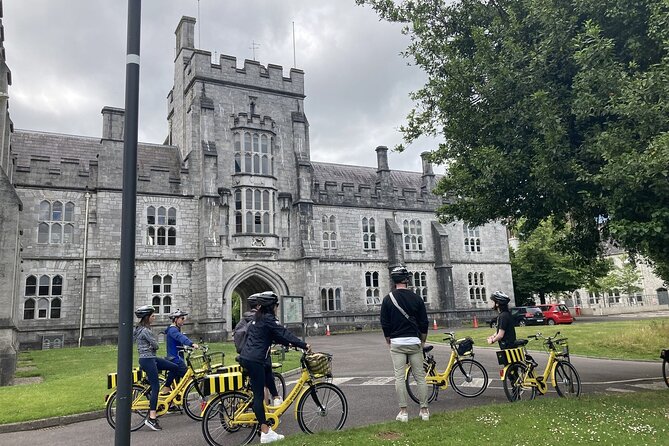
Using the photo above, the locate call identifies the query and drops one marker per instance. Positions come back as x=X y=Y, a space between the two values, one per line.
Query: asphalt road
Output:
x=363 y=369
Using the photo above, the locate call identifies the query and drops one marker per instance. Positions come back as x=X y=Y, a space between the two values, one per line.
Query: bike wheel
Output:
x=412 y=387
x=141 y=395
x=193 y=402
x=567 y=382
x=513 y=383
x=665 y=371
x=329 y=415
x=469 y=379
x=280 y=383
x=216 y=419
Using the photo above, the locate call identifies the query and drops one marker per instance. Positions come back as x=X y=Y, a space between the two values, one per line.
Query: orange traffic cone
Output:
x=475 y=323
x=434 y=325
x=327 y=330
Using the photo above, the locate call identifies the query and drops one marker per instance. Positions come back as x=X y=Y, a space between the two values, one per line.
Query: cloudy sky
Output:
x=67 y=59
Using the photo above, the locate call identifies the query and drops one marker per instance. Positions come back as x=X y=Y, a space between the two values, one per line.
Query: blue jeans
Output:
x=151 y=366
x=177 y=374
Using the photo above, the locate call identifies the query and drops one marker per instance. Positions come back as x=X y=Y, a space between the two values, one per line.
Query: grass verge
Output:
x=630 y=419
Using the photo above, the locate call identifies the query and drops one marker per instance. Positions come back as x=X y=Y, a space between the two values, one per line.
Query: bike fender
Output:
x=502 y=374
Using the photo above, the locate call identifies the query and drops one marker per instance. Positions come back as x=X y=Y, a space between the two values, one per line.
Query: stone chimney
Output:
x=428 y=173
x=185 y=33
x=112 y=123
x=383 y=172
x=382 y=159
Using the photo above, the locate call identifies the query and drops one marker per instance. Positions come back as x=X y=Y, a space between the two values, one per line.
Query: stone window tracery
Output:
x=43 y=297
x=161 y=225
x=54 y=222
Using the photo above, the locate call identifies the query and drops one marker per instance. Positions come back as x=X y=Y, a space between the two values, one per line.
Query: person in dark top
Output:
x=506 y=332
x=263 y=331
x=405 y=329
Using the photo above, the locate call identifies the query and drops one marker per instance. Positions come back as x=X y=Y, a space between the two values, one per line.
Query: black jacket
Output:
x=262 y=333
x=394 y=324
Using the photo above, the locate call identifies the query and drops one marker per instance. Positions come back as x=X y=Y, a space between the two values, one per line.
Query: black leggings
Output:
x=261 y=377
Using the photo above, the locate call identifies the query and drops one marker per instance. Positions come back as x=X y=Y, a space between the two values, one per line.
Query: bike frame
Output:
x=441 y=378
x=243 y=416
x=531 y=379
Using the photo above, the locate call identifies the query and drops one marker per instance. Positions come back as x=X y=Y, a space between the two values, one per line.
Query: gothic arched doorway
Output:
x=254 y=279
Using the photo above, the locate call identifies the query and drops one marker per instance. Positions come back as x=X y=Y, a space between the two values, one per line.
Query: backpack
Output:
x=239 y=334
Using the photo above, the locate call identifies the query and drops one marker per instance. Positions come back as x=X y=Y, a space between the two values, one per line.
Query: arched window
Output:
x=413 y=235
x=161 y=225
x=161 y=293
x=44 y=284
x=42 y=308
x=330 y=299
x=253 y=211
x=29 y=309
x=472 y=239
x=57 y=285
x=368 y=234
x=419 y=284
x=55 y=308
x=50 y=228
x=31 y=286
x=372 y=291
x=476 y=283
x=256 y=155
x=329 y=231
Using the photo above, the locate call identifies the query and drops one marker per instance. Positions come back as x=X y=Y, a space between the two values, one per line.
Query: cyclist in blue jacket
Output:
x=176 y=339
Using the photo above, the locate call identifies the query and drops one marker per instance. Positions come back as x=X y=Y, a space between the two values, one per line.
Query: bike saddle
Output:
x=521 y=342
x=428 y=348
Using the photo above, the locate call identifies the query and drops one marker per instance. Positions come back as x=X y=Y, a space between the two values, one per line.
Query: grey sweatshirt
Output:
x=147 y=344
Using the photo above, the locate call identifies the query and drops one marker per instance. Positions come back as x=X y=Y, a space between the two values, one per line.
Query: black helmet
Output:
x=177 y=314
x=500 y=298
x=253 y=300
x=144 y=310
x=265 y=299
x=400 y=274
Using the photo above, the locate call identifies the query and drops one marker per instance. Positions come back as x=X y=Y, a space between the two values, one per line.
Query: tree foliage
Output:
x=548 y=108
x=539 y=266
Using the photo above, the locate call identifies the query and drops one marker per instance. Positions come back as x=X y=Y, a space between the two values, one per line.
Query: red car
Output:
x=556 y=314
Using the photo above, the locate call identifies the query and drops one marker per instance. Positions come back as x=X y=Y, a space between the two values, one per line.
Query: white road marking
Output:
x=614 y=389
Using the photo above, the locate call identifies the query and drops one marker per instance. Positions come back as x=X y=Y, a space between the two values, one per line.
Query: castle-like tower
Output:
x=230 y=205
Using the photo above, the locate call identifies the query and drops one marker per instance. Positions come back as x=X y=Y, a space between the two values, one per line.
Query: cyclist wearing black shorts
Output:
x=506 y=332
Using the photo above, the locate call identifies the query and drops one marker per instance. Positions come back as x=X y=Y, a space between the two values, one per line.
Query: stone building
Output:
x=230 y=203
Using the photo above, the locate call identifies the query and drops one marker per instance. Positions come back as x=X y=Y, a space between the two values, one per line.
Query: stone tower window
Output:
x=254 y=211
x=54 y=226
x=419 y=284
x=254 y=157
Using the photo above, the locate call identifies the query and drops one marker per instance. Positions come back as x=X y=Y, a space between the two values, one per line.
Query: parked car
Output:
x=556 y=314
x=523 y=316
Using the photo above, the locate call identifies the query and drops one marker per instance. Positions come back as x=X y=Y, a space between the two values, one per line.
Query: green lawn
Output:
x=634 y=339
x=75 y=380
x=630 y=419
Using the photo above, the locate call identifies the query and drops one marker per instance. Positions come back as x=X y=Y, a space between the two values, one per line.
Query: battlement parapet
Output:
x=198 y=67
x=365 y=195
x=43 y=170
x=255 y=121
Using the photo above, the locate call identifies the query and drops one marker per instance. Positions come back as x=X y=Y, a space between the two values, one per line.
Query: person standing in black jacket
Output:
x=506 y=332
x=404 y=323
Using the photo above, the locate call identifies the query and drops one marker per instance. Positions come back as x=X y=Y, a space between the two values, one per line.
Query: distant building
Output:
x=230 y=203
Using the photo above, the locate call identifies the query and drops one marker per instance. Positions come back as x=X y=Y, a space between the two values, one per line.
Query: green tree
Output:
x=547 y=109
x=539 y=267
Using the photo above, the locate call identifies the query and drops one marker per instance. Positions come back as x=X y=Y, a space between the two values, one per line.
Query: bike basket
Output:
x=464 y=346
x=511 y=355
x=664 y=354
x=112 y=378
x=217 y=359
x=198 y=363
x=221 y=382
x=319 y=364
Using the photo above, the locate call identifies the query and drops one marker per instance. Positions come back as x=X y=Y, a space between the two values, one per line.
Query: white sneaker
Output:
x=403 y=417
x=425 y=415
x=270 y=436
x=277 y=401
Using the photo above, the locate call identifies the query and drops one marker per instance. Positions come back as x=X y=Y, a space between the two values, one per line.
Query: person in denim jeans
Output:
x=147 y=345
x=405 y=331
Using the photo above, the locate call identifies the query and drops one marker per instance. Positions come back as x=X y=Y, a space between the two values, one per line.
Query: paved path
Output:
x=363 y=368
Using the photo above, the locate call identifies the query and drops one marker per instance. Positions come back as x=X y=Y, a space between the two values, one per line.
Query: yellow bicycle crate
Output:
x=511 y=355
x=137 y=375
x=222 y=382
